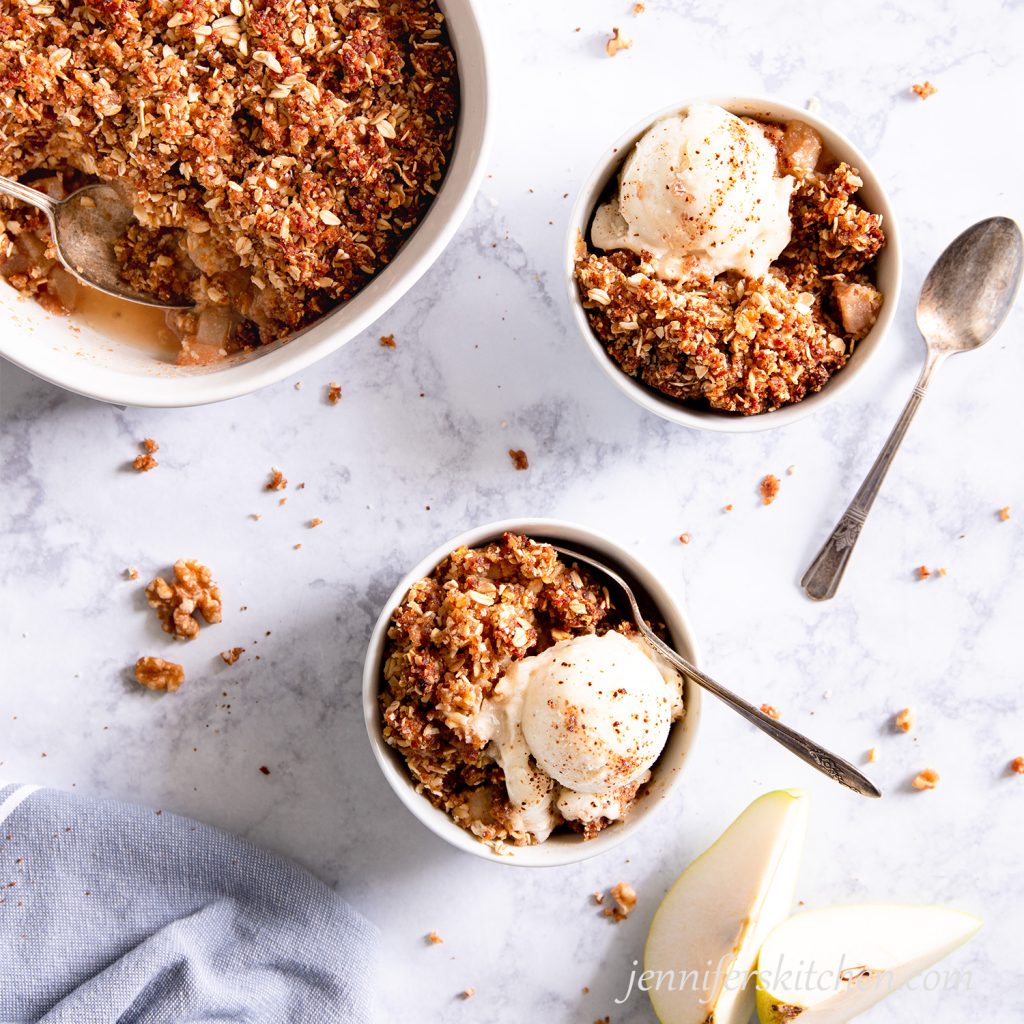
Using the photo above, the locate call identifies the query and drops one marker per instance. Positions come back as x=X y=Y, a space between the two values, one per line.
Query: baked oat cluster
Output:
x=740 y=344
x=451 y=640
x=276 y=152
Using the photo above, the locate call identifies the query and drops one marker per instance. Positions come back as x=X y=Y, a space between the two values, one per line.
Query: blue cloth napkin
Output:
x=112 y=912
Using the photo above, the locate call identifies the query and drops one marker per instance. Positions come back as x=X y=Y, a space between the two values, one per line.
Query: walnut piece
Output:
x=229 y=657
x=157 y=674
x=277 y=481
x=176 y=603
x=519 y=459
x=144 y=463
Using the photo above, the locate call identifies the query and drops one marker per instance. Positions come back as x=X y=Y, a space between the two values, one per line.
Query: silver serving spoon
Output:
x=85 y=227
x=827 y=763
x=965 y=299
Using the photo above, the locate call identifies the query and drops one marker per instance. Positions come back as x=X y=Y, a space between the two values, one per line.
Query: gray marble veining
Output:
x=487 y=359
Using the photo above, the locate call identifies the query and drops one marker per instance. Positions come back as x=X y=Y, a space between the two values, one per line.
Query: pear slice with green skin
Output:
x=702 y=947
x=827 y=966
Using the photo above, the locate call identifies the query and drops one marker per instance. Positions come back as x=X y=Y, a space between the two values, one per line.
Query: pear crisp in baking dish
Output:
x=276 y=153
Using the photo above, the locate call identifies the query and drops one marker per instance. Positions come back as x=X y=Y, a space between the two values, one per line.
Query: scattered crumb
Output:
x=298 y=385
x=586 y=990
x=1017 y=765
x=1004 y=513
x=904 y=721
x=519 y=459
x=387 y=341
x=300 y=487
x=872 y=755
x=923 y=572
x=157 y=674
x=150 y=445
x=598 y=898
x=177 y=603
x=790 y=470
x=467 y=993
x=433 y=939
x=769 y=489
x=617 y=42
x=256 y=515
x=728 y=508
x=144 y=463
x=333 y=393
x=283 y=501
x=315 y=522
x=928 y=779
x=277 y=481
x=684 y=538
x=625 y=900
x=813 y=104
x=131 y=573
x=943 y=571
x=923 y=90
x=231 y=656
x=297 y=547
x=770 y=711
x=639 y=8
x=264 y=770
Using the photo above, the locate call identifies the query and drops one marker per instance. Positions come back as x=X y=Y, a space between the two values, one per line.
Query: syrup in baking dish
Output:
x=143 y=327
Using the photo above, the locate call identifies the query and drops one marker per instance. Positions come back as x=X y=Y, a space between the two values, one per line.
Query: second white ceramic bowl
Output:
x=667 y=772
x=82 y=359
x=872 y=195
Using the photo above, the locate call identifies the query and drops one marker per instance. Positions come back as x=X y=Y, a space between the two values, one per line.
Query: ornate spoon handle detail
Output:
x=823 y=575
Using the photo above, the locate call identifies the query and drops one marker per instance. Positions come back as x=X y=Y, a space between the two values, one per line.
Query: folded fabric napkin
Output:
x=111 y=912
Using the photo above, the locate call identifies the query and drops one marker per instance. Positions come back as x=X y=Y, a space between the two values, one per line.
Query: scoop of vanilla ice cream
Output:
x=597 y=713
x=700 y=193
x=574 y=726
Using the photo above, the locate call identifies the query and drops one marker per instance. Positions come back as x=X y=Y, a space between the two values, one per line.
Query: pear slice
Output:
x=826 y=966
x=703 y=943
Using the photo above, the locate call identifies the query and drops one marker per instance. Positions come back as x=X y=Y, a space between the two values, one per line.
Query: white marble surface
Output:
x=487 y=340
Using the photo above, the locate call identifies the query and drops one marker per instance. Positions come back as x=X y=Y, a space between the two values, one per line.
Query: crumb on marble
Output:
x=283 y=501
x=433 y=939
x=923 y=572
x=790 y=470
x=277 y=481
x=144 y=462
x=728 y=508
x=177 y=603
x=684 y=538
x=927 y=779
x=297 y=547
x=467 y=993
x=157 y=674
x=1004 y=513
x=813 y=104
x=150 y=445
x=904 y=720
x=387 y=341
x=639 y=8
x=334 y=393
x=770 y=711
x=598 y=898
x=922 y=90
x=264 y=770
x=1017 y=765
x=616 y=42
x=315 y=522
x=872 y=755
x=625 y=899
x=257 y=516
x=131 y=573
x=232 y=655
x=519 y=458
x=769 y=488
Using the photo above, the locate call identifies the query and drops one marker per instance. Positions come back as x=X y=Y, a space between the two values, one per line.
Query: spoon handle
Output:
x=835 y=767
x=823 y=575
x=27 y=194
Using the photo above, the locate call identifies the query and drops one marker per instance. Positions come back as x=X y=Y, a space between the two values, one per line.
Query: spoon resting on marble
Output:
x=966 y=297
x=85 y=227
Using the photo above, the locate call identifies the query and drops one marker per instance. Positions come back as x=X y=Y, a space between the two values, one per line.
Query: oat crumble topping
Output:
x=739 y=344
x=177 y=603
x=770 y=711
x=625 y=899
x=519 y=458
x=277 y=153
x=769 y=489
x=157 y=674
x=451 y=640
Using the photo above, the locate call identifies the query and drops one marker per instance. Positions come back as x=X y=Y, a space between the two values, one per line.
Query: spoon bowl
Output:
x=970 y=290
x=85 y=227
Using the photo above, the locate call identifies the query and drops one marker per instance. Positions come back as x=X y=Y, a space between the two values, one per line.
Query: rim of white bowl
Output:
x=890 y=268
x=179 y=387
x=559 y=849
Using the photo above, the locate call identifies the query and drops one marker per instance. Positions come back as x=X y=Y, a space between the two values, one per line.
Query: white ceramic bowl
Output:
x=79 y=358
x=666 y=774
x=889 y=270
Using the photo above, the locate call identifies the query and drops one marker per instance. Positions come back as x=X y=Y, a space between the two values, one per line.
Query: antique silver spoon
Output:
x=85 y=227
x=827 y=763
x=965 y=299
